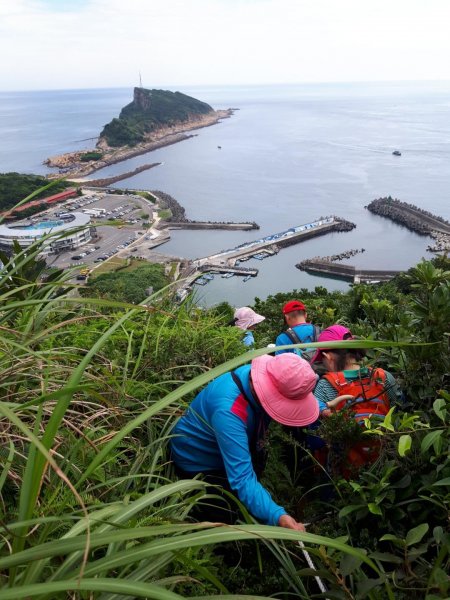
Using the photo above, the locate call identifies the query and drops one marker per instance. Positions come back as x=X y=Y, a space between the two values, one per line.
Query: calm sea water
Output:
x=290 y=154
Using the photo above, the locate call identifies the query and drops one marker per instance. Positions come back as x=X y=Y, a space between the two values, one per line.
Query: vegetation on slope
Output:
x=149 y=111
x=15 y=186
x=90 y=389
x=129 y=286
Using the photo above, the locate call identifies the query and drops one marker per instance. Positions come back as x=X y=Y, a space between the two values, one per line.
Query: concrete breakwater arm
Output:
x=178 y=219
x=107 y=181
x=323 y=266
x=210 y=225
x=412 y=217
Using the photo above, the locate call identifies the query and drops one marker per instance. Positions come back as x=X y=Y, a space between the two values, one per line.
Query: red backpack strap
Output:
x=336 y=380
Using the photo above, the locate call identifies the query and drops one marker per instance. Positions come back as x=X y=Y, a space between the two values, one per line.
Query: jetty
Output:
x=272 y=243
x=337 y=270
x=228 y=262
x=208 y=225
x=415 y=219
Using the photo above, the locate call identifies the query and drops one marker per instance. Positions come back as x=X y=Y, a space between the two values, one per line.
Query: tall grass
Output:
x=90 y=390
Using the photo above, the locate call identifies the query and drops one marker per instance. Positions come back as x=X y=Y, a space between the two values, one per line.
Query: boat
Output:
x=220 y=147
x=208 y=276
x=247 y=277
x=397 y=153
x=201 y=281
x=227 y=275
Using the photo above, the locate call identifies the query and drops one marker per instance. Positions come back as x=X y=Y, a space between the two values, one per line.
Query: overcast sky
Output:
x=58 y=44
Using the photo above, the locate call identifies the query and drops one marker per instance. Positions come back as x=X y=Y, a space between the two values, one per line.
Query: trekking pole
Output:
x=312 y=566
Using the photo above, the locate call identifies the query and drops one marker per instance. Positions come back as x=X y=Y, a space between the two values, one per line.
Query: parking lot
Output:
x=129 y=211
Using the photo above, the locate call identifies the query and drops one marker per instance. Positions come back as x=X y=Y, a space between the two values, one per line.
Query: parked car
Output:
x=77 y=257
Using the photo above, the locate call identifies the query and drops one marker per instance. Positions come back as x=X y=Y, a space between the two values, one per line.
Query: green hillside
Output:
x=14 y=187
x=150 y=110
x=91 y=507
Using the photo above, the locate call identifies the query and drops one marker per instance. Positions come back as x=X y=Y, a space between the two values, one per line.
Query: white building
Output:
x=68 y=233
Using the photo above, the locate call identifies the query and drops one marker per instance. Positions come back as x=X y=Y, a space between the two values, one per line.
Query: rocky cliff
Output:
x=150 y=111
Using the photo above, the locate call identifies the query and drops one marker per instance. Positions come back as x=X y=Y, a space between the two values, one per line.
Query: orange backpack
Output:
x=369 y=392
x=370 y=399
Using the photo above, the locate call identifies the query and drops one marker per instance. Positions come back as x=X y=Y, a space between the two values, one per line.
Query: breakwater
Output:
x=412 y=217
x=178 y=219
x=415 y=219
x=291 y=236
x=107 y=181
x=210 y=225
x=337 y=270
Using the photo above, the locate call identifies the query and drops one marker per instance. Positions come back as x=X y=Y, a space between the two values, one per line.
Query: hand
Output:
x=339 y=399
x=326 y=413
x=290 y=523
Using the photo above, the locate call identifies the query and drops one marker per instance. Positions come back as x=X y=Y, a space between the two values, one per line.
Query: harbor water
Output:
x=289 y=155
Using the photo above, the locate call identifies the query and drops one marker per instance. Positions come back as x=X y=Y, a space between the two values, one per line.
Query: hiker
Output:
x=364 y=391
x=246 y=319
x=298 y=330
x=222 y=433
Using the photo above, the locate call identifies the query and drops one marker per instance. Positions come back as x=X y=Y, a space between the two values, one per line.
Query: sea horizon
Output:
x=400 y=82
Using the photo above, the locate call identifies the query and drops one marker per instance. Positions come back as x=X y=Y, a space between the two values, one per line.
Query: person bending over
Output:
x=222 y=433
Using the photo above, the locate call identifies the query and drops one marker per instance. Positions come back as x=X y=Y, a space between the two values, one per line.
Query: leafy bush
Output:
x=90 y=390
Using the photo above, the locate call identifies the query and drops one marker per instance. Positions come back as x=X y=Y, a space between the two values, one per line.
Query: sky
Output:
x=67 y=44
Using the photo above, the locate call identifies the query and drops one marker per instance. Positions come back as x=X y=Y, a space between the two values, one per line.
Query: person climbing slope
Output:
x=222 y=433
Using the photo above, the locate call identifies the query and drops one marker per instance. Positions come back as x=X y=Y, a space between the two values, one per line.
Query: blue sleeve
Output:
x=231 y=435
x=248 y=340
x=282 y=340
x=323 y=393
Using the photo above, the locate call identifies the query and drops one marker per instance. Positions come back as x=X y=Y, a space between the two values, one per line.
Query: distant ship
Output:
x=220 y=147
x=397 y=153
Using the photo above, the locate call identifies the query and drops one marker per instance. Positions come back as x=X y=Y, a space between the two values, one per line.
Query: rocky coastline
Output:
x=71 y=165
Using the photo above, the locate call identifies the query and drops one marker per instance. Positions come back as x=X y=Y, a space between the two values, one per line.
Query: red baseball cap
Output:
x=292 y=306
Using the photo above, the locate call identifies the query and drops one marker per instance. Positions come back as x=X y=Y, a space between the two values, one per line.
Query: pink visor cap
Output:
x=245 y=317
x=334 y=333
x=284 y=385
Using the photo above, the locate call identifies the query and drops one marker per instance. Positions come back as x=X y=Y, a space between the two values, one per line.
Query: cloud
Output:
x=105 y=43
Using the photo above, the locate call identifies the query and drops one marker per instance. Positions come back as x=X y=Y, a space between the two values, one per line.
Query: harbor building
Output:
x=70 y=230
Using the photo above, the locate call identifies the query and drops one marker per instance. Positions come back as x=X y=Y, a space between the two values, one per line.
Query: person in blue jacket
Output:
x=221 y=435
x=298 y=330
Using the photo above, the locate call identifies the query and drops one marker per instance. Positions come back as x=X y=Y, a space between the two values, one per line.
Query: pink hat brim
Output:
x=296 y=413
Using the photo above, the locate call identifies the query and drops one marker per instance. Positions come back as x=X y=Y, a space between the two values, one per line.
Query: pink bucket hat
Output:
x=334 y=333
x=284 y=385
x=245 y=317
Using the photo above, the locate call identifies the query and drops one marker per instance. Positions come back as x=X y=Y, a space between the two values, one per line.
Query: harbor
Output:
x=227 y=263
x=272 y=243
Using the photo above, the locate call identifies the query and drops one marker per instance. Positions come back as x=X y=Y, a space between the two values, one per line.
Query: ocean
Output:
x=289 y=155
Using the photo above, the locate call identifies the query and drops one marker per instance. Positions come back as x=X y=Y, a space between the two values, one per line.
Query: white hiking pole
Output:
x=312 y=566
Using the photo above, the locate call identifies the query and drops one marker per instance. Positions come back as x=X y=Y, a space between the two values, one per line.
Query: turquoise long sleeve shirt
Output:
x=215 y=434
